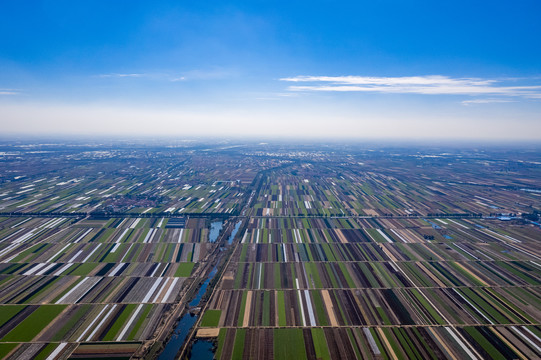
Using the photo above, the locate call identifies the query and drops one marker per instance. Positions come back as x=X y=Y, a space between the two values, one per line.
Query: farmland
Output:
x=396 y=295
x=93 y=280
x=351 y=252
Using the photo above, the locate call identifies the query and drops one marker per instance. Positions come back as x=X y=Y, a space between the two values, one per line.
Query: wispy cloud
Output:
x=209 y=74
x=206 y=74
x=429 y=85
x=9 y=92
x=485 y=101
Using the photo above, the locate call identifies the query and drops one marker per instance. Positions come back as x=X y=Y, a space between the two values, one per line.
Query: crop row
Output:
x=408 y=306
x=380 y=343
x=78 y=323
x=97 y=289
x=385 y=274
x=380 y=252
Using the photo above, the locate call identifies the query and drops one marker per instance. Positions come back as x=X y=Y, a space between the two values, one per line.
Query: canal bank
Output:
x=179 y=344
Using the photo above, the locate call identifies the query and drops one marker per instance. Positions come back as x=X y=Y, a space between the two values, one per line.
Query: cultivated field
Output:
x=346 y=253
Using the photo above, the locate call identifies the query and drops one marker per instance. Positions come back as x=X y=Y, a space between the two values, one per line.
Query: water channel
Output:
x=202 y=349
x=215 y=228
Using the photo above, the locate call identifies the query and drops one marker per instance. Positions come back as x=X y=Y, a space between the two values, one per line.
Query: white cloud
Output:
x=210 y=74
x=9 y=92
x=485 y=101
x=429 y=85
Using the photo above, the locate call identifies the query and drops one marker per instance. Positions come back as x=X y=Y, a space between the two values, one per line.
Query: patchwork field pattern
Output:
x=347 y=287
x=336 y=254
x=65 y=282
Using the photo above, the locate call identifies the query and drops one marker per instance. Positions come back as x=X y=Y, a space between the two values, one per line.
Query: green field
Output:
x=184 y=269
x=9 y=311
x=5 y=349
x=289 y=344
x=34 y=323
x=211 y=318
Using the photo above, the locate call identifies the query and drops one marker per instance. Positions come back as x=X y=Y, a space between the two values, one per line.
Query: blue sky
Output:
x=379 y=69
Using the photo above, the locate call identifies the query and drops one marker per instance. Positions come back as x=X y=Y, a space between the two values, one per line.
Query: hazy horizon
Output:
x=403 y=72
